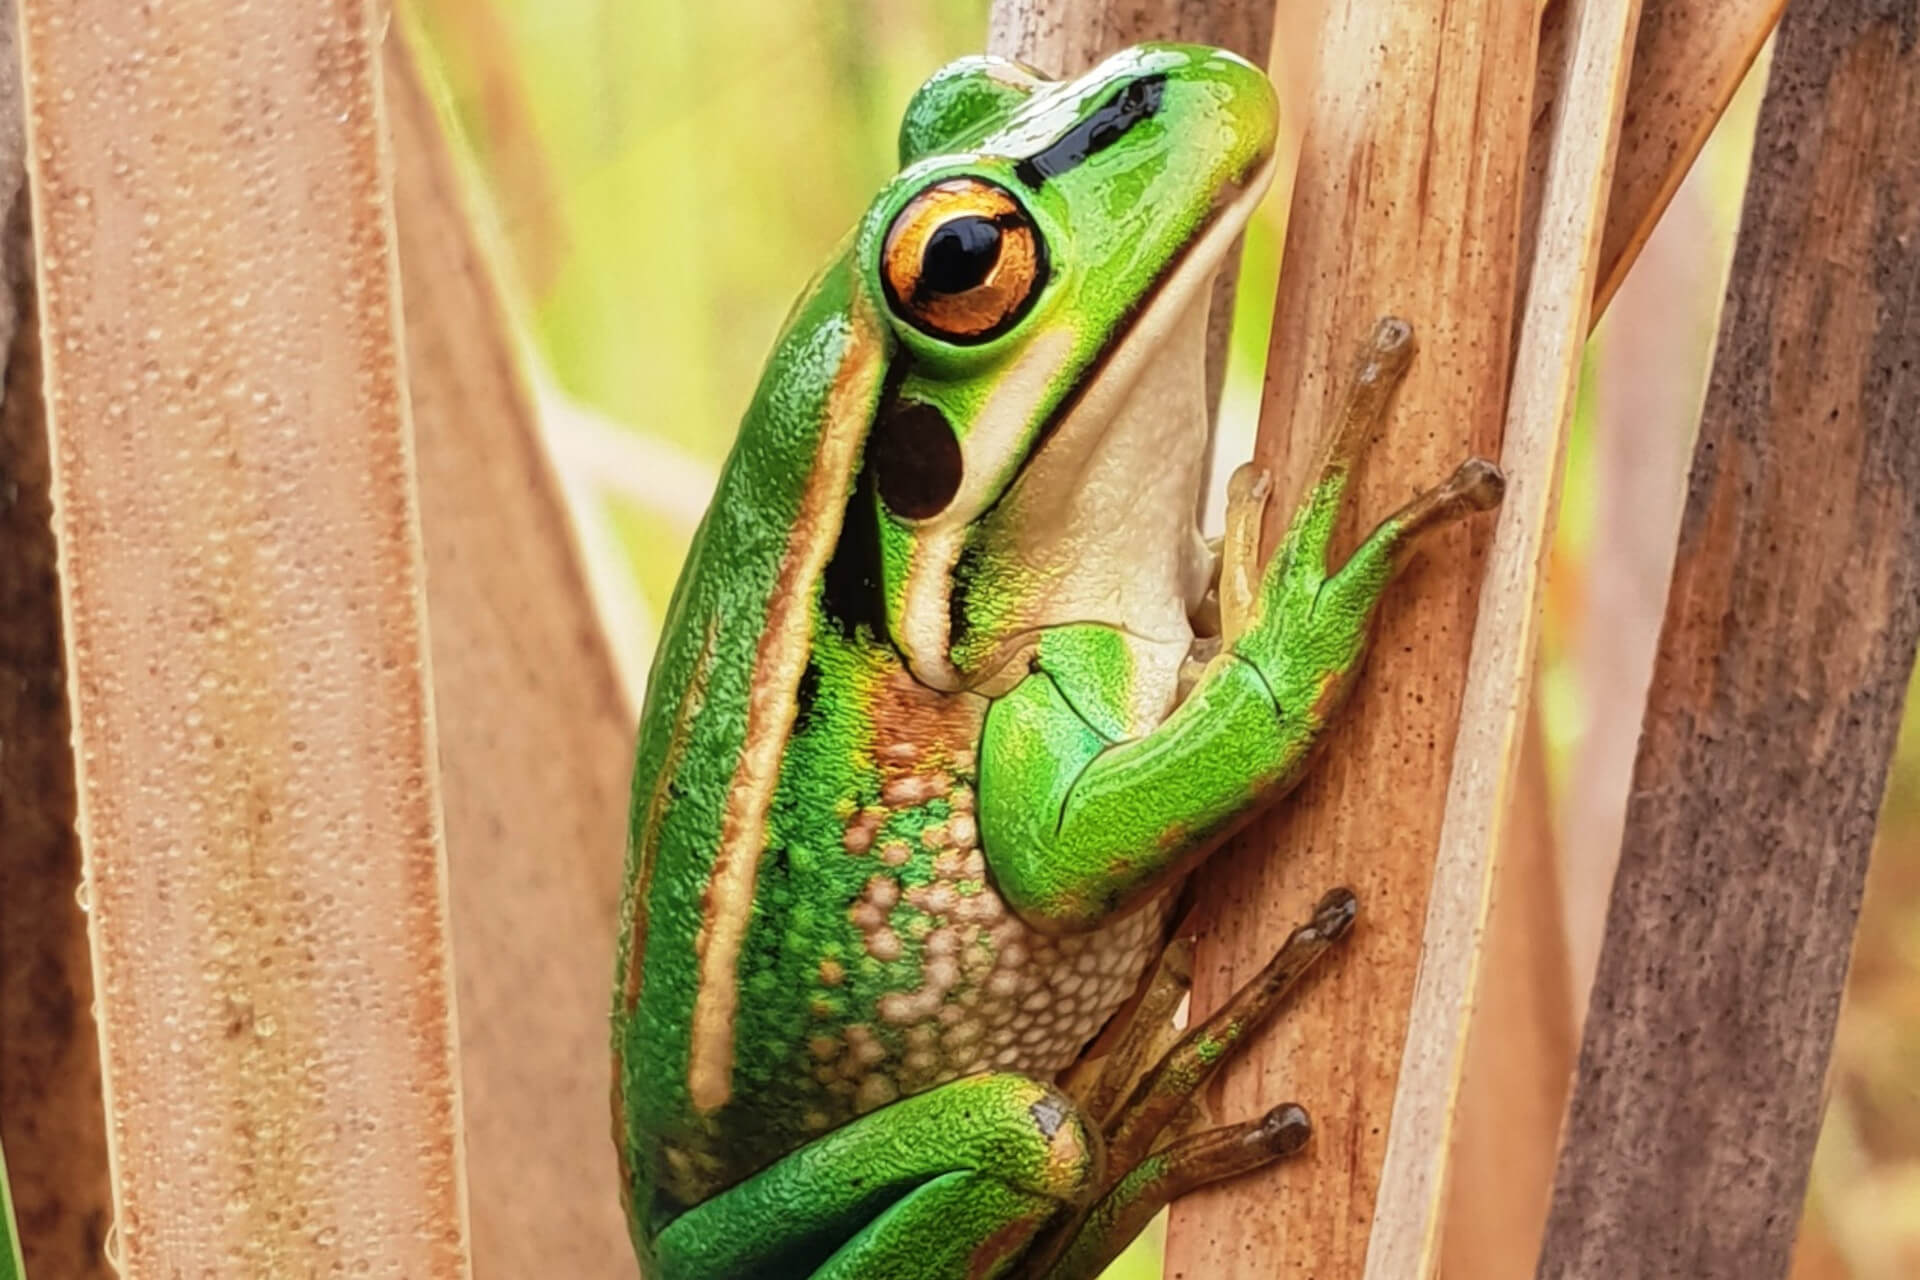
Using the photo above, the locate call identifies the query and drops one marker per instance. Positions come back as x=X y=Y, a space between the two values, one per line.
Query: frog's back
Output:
x=721 y=699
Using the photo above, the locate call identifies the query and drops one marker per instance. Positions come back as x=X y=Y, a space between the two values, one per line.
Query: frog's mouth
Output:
x=1120 y=378
x=1099 y=524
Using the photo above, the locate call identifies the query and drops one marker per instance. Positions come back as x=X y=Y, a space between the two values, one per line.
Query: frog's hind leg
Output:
x=1146 y=1036
x=1160 y=1095
x=1145 y=1172
x=957 y=1227
x=949 y=1184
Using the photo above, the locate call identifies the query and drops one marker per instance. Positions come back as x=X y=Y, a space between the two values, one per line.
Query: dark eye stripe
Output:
x=1131 y=103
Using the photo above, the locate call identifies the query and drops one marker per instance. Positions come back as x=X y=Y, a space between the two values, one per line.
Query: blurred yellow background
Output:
x=658 y=182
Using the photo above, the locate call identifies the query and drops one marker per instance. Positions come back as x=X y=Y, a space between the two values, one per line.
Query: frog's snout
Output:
x=1240 y=93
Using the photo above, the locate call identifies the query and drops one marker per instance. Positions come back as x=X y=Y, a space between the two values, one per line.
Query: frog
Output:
x=953 y=699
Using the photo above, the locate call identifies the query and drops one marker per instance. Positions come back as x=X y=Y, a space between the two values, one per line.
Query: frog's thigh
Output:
x=920 y=1189
x=960 y=1226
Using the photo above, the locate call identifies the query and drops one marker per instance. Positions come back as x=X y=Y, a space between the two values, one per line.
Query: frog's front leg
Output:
x=952 y=1182
x=1080 y=825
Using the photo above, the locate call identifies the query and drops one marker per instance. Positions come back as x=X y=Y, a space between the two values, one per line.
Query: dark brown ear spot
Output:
x=915 y=459
x=962 y=261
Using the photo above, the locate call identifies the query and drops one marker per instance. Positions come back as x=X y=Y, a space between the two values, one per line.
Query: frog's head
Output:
x=1044 y=261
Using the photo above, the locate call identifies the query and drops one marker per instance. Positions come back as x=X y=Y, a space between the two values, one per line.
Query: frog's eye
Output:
x=962 y=261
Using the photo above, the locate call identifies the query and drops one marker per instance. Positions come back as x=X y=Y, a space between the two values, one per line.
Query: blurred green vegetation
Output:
x=660 y=181
x=678 y=171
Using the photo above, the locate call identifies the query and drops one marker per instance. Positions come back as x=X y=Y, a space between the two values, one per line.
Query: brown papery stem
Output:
x=1520 y=1049
x=1690 y=58
x=1788 y=642
x=1407 y=201
x=50 y=1113
x=1553 y=333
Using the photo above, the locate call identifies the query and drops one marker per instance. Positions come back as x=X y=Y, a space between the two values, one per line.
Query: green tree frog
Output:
x=952 y=697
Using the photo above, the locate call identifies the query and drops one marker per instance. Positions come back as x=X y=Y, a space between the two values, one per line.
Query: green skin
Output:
x=910 y=808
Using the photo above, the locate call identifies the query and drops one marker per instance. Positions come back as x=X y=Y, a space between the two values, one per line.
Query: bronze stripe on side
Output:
x=778 y=665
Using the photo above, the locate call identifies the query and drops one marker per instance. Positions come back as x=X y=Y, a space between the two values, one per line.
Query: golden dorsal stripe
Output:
x=692 y=699
x=778 y=665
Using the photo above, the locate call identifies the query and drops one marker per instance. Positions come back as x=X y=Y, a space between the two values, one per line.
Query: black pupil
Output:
x=959 y=256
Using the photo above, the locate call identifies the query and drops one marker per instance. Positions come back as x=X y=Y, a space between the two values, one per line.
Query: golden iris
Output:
x=962 y=261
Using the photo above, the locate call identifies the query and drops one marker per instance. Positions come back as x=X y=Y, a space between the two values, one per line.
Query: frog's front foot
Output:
x=1235 y=584
x=1247 y=590
x=1151 y=1159
x=1306 y=624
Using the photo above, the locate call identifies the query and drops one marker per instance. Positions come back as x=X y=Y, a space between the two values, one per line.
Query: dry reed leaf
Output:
x=49 y=1059
x=1690 y=58
x=535 y=746
x=241 y=574
x=1520 y=1049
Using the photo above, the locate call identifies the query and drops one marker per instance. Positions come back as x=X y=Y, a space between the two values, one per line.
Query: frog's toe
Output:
x=1334 y=914
x=1248 y=493
x=1181 y=1166
x=1479 y=483
x=1390 y=341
